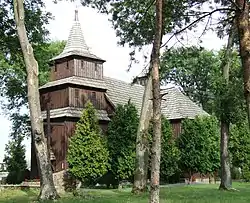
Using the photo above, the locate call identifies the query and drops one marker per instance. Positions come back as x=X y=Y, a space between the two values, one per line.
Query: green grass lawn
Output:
x=176 y=194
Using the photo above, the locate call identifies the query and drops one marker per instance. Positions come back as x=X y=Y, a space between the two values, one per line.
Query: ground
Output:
x=176 y=194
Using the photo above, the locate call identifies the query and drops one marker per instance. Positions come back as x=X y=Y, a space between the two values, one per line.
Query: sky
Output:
x=100 y=37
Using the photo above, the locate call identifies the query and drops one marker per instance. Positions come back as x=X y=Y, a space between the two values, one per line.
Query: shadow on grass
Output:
x=184 y=194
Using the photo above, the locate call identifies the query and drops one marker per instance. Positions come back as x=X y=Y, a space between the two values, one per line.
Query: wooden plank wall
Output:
x=58 y=99
x=62 y=70
x=79 y=97
x=58 y=145
x=90 y=69
x=176 y=127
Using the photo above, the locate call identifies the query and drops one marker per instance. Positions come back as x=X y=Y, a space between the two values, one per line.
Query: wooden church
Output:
x=76 y=77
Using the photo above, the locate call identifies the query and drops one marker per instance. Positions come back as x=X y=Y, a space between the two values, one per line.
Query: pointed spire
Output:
x=76 y=44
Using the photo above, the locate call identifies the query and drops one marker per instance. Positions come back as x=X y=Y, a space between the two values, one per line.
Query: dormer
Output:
x=76 y=59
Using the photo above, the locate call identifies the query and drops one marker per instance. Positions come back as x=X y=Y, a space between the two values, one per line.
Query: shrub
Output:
x=87 y=154
x=199 y=145
x=122 y=141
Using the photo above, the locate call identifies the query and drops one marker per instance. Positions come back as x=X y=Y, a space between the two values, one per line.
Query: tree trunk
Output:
x=156 y=145
x=242 y=20
x=142 y=148
x=47 y=188
x=226 y=180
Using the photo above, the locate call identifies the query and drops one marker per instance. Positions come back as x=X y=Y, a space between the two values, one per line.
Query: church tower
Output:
x=76 y=77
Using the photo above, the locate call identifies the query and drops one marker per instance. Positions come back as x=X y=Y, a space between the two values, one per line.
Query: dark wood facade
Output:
x=75 y=96
x=69 y=95
x=76 y=66
x=176 y=127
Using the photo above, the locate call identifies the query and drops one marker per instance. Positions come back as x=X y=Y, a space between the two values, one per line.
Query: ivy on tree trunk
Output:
x=47 y=188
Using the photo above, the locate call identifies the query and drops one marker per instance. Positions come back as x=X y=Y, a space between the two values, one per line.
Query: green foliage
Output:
x=239 y=147
x=12 y=69
x=170 y=154
x=13 y=84
x=134 y=21
x=122 y=141
x=87 y=154
x=198 y=72
x=199 y=145
x=194 y=69
x=15 y=159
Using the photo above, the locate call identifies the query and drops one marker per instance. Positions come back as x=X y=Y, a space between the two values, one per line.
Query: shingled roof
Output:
x=76 y=44
x=175 y=105
x=73 y=112
x=84 y=81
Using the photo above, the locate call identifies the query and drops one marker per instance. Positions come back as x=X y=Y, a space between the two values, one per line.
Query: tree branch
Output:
x=235 y=4
x=196 y=21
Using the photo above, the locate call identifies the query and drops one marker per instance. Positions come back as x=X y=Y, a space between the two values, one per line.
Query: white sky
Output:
x=100 y=37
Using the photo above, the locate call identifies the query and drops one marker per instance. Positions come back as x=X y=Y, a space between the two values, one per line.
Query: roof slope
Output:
x=121 y=92
x=76 y=80
x=76 y=44
x=175 y=104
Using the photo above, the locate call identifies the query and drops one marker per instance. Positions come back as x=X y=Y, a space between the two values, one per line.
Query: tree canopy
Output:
x=121 y=137
x=199 y=145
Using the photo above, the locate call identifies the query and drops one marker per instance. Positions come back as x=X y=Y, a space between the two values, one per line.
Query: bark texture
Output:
x=142 y=147
x=47 y=188
x=242 y=19
x=156 y=145
x=226 y=180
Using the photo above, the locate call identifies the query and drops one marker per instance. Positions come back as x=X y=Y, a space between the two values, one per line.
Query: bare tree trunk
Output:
x=142 y=148
x=226 y=180
x=156 y=145
x=242 y=19
x=47 y=188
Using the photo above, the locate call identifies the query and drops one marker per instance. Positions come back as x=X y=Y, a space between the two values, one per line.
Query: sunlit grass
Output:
x=176 y=194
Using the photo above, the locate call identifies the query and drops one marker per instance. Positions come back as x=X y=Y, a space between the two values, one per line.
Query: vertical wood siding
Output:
x=62 y=70
x=79 y=97
x=58 y=99
x=58 y=145
x=176 y=127
x=90 y=69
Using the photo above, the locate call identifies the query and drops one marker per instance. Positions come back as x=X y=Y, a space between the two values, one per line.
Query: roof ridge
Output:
x=119 y=80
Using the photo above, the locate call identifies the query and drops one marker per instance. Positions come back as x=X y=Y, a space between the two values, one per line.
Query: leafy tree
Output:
x=239 y=147
x=139 y=23
x=121 y=137
x=87 y=154
x=47 y=187
x=199 y=145
x=213 y=80
x=195 y=70
x=170 y=154
x=13 y=86
x=15 y=159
